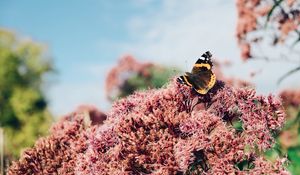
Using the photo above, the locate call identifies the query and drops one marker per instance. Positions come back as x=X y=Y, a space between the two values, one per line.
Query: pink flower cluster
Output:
x=166 y=131
x=281 y=17
x=57 y=153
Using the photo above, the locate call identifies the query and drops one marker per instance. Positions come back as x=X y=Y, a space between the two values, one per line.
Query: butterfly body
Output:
x=201 y=79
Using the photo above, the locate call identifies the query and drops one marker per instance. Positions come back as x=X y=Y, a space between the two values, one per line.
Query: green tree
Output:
x=130 y=75
x=158 y=76
x=23 y=107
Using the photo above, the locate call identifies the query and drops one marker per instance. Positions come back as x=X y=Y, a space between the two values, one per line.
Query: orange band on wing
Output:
x=210 y=84
x=186 y=80
x=202 y=91
x=212 y=81
x=203 y=65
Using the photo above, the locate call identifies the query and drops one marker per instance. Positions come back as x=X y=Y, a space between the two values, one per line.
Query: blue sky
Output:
x=75 y=32
x=82 y=37
x=85 y=39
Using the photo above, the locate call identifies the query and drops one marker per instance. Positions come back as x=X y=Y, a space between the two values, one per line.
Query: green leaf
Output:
x=294 y=157
x=238 y=126
x=245 y=165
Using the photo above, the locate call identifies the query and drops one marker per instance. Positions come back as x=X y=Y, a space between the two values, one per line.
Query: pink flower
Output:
x=166 y=131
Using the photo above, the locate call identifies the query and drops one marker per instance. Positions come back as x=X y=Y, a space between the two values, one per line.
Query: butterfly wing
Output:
x=203 y=81
x=184 y=79
x=200 y=67
x=203 y=64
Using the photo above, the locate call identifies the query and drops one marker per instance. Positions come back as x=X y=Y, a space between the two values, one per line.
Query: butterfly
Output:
x=201 y=79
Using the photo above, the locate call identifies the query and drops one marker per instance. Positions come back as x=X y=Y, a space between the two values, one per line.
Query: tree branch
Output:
x=288 y=74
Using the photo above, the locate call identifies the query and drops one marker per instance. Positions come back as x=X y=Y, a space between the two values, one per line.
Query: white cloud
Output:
x=66 y=97
x=180 y=32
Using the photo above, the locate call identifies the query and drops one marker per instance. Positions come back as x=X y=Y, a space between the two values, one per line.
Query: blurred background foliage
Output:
x=288 y=140
x=23 y=107
x=130 y=75
x=157 y=77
